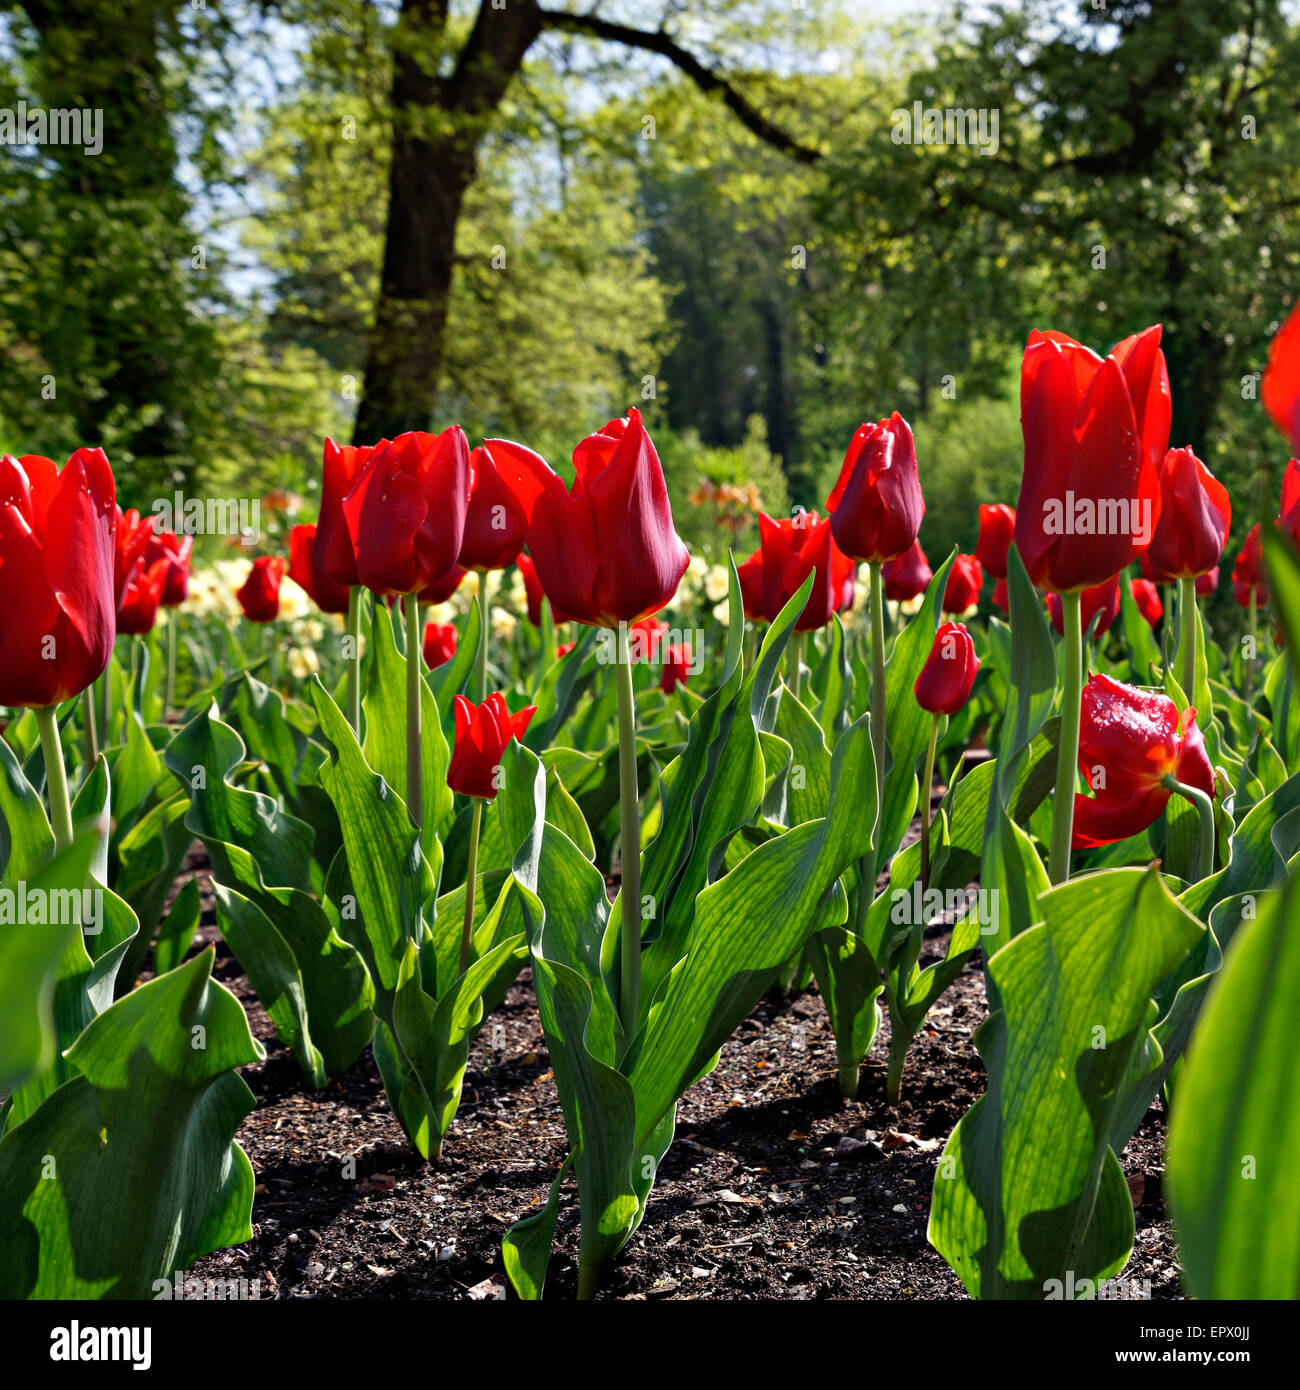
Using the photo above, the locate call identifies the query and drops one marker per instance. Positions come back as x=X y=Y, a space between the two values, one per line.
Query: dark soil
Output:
x=774 y=1187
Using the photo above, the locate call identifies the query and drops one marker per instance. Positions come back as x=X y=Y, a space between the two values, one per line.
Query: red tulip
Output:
x=57 y=597
x=645 y=639
x=494 y=525
x=1001 y=596
x=260 y=595
x=606 y=551
x=1281 y=387
x=789 y=550
x=564 y=649
x=138 y=610
x=1094 y=432
x=176 y=550
x=1289 y=513
x=1147 y=598
x=677 y=667
x=532 y=587
x=997 y=527
x=406 y=511
x=1206 y=584
x=130 y=542
x=327 y=594
x=1129 y=741
x=1248 y=573
x=965 y=580
x=439 y=644
x=876 y=506
x=482 y=733
x=336 y=554
x=1194 y=517
x=442 y=589
x=944 y=684
x=908 y=576
x=1101 y=599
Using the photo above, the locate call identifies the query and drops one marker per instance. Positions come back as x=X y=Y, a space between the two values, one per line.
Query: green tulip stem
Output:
x=481 y=683
x=879 y=743
x=1254 y=646
x=629 y=994
x=1204 y=865
x=1067 y=753
x=1187 y=616
x=471 y=873
x=169 y=693
x=92 y=732
x=926 y=783
x=107 y=678
x=353 y=635
x=56 y=776
x=414 y=791
x=794 y=673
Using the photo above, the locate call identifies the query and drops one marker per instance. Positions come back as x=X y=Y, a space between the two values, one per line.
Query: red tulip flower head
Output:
x=442 y=589
x=1281 y=385
x=336 y=555
x=876 y=506
x=945 y=682
x=327 y=594
x=1102 y=601
x=1289 y=515
x=789 y=550
x=1129 y=741
x=1002 y=596
x=137 y=612
x=406 y=511
x=908 y=576
x=494 y=525
x=177 y=551
x=1207 y=583
x=532 y=588
x=1194 y=517
x=439 y=644
x=259 y=596
x=482 y=733
x=962 y=591
x=58 y=605
x=677 y=667
x=1147 y=598
x=1248 y=574
x=1095 y=430
x=997 y=527
x=605 y=551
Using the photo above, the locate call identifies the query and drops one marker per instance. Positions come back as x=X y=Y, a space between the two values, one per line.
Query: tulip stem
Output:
x=1204 y=865
x=629 y=994
x=1067 y=753
x=169 y=691
x=471 y=873
x=108 y=700
x=926 y=785
x=879 y=745
x=1254 y=640
x=482 y=636
x=92 y=732
x=353 y=635
x=414 y=791
x=1187 y=615
x=56 y=776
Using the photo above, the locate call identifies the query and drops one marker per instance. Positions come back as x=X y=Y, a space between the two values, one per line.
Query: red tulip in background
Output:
x=336 y=555
x=945 y=682
x=564 y=649
x=405 y=512
x=130 y=541
x=482 y=733
x=645 y=639
x=137 y=582
x=1206 y=584
x=57 y=597
x=1002 y=596
x=1281 y=386
x=997 y=527
x=327 y=594
x=1194 y=517
x=677 y=667
x=1288 y=517
x=439 y=644
x=532 y=588
x=1129 y=741
x=876 y=506
x=907 y=576
x=177 y=551
x=494 y=525
x=1248 y=573
x=1102 y=599
x=965 y=580
x=789 y=550
x=605 y=552
x=260 y=595
x=1147 y=598
x=1095 y=430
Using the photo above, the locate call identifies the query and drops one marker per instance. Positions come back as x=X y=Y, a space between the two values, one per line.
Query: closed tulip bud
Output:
x=406 y=511
x=494 y=525
x=907 y=576
x=439 y=644
x=336 y=552
x=1147 y=598
x=965 y=579
x=676 y=668
x=1281 y=386
x=259 y=596
x=1129 y=741
x=327 y=594
x=1095 y=429
x=177 y=551
x=482 y=733
x=1102 y=601
x=1194 y=517
x=876 y=506
x=1248 y=574
x=945 y=682
x=57 y=598
x=997 y=527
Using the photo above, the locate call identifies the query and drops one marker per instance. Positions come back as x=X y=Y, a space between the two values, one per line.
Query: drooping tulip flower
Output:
x=1147 y=598
x=1248 y=574
x=58 y=603
x=1194 y=517
x=997 y=527
x=876 y=505
x=676 y=668
x=1130 y=741
x=605 y=551
x=405 y=511
x=494 y=525
x=327 y=594
x=259 y=596
x=945 y=682
x=336 y=553
x=1102 y=599
x=137 y=610
x=482 y=733
x=908 y=576
x=789 y=550
x=1095 y=429
x=1281 y=386
x=965 y=579
x=440 y=641
x=177 y=551
x=1206 y=584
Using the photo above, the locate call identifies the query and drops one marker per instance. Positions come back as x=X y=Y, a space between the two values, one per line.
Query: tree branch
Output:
x=706 y=79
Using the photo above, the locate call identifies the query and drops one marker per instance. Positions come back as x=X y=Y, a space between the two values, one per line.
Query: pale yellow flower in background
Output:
x=504 y=624
x=716 y=583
